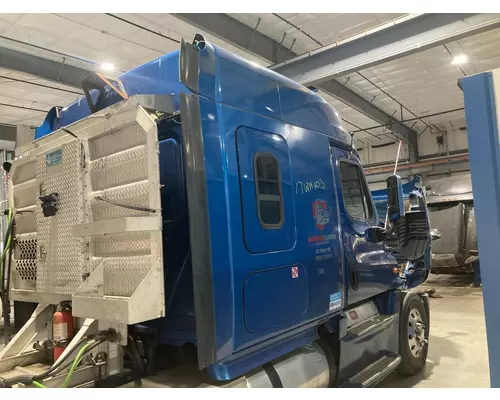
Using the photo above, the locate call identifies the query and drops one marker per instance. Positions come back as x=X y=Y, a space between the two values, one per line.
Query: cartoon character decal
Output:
x=320 y=214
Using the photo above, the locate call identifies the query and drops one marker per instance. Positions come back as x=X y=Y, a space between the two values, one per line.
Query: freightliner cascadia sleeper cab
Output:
x=208 y=223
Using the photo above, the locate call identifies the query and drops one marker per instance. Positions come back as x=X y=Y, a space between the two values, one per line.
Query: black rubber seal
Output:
x=273 y=375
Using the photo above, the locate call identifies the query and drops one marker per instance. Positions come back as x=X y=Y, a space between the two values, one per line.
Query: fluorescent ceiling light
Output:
x=460 y=59
x=107 y=66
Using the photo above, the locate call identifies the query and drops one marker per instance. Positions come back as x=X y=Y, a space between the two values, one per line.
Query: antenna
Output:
x=397 y=157
x=395 y=169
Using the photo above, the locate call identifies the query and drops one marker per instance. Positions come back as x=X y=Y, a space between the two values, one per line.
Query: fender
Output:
x=405 y=295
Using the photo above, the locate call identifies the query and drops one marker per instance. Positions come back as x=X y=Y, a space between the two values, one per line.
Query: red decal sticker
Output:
x=313 y=239
x=353 y=314
x=295 y=272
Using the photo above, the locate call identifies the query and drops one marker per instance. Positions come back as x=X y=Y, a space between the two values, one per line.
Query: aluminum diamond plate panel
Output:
x=108 y=175
x=120 y=168
x=25 y=172
x=25 y=194
x=122 y=244
x=134 y=194
x=125 y=284
x=26 y=222
x=24 y=197
x=59 y=170
x=122 y=275
x=123 y=139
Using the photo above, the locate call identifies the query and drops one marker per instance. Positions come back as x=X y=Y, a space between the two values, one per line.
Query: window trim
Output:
x=358 y=165
x=258 y=196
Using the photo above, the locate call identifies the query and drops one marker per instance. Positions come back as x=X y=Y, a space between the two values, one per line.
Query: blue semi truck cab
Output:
x=215 y=215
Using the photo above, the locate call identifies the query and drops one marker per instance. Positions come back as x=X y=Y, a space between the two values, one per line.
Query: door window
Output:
x=357 y=202
x=268 y=186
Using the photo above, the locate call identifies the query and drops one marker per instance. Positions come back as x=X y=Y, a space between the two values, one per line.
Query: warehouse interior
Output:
x=406 y=86
x=392 y=79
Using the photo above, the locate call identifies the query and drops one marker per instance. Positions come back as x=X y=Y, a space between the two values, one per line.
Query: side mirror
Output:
x=7 y=166
x=376 y=234
x=435 y=234
x=395 y=198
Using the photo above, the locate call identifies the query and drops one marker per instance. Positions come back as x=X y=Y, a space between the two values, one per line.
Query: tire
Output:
x=413 y=335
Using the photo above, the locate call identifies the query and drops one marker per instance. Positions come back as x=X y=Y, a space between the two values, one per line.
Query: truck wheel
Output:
x=413 y=335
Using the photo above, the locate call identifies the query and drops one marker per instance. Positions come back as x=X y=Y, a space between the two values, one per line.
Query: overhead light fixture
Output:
x=108 y=66
x=460 y=59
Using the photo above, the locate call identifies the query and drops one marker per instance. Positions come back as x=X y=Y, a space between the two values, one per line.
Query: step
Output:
x=370 y=324
x=375 y=372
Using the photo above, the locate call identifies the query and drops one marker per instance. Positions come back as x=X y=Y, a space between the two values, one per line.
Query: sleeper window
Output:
x=356 y=200
x=268 y=187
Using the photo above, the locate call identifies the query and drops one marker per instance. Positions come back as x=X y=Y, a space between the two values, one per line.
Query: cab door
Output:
x=369 y=269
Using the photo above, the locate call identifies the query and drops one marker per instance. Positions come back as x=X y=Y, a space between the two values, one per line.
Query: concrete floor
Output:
x=458 y=356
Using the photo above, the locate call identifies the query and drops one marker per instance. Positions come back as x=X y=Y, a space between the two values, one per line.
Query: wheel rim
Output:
x=416 y=333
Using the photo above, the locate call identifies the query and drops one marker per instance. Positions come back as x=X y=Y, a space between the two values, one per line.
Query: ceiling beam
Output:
x=397 y=39
x=242 y=36
x=46 y=69
x=234 y=32
x=363 y=106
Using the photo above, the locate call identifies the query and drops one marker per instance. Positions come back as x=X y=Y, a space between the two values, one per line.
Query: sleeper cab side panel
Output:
x=279 y=294
x=317 y=248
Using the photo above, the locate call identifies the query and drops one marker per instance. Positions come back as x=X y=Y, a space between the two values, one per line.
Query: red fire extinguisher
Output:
x=62 y=328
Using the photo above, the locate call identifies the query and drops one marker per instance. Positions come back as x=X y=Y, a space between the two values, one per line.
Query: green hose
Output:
x=75 y=364
x=38 y=384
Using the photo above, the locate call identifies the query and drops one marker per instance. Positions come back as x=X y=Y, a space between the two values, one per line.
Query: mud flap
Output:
x=425 y=301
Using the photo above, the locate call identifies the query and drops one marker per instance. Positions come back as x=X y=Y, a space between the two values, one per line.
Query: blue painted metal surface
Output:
x=358 y=352
x=241 y=363
x=179 y=327
x=160 y=76
x=272 y=288
x=323 y=269
x=369 y=266
x=484 y=150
